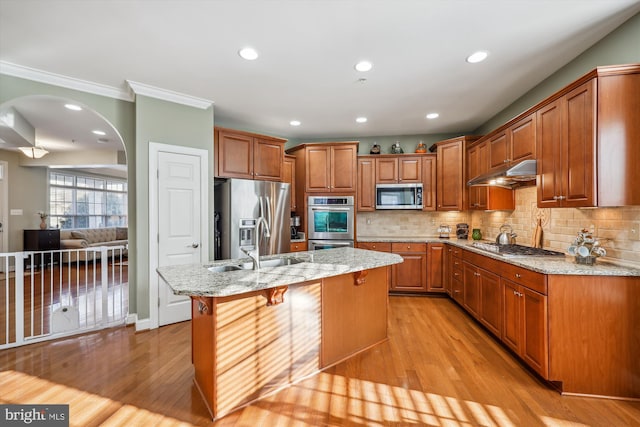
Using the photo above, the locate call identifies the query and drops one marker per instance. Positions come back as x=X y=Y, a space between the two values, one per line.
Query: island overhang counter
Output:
x=256 y=332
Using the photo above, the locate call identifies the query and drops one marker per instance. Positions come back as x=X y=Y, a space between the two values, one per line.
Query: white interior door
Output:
x=179 y=233
x=4 y=211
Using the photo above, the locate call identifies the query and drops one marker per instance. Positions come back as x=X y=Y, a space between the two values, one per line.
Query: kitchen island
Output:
x=256 y=332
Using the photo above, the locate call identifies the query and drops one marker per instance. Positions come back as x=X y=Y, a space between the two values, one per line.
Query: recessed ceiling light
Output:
x=99 y=132
x=248 y=53
x=478 y=56
x=433 y=115
x=295 y=123
x=364 y=66
x=361 y=120
x=73 y=107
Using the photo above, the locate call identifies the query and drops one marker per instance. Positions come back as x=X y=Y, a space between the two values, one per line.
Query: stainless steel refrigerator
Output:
x=238 y=204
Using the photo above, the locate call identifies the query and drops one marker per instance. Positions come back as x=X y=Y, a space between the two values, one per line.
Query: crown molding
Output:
x=41 y=76
x=137 y=88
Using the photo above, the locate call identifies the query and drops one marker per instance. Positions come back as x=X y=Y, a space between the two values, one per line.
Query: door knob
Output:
x=193 y=245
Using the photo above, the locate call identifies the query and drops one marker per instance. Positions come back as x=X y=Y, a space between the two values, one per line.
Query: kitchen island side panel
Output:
x=594 y=335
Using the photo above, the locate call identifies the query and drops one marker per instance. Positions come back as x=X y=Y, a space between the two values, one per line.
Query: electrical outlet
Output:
x=634 y=231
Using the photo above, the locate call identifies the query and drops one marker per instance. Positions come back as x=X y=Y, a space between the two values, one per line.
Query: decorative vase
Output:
x=43 y=223
x=477 y=234
x=421 y=148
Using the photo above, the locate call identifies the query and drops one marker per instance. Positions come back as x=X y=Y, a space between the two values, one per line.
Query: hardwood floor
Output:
x=438 y=368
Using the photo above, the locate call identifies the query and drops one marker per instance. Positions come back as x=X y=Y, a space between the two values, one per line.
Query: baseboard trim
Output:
x=143 y=325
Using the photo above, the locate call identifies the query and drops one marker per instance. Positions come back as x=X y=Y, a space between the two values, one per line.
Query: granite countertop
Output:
x=197 y=280
x=546 y=265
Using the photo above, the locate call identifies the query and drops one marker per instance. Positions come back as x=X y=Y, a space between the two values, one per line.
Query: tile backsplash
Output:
x=560 y=226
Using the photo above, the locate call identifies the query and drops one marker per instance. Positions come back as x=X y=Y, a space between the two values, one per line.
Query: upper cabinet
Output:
x=567 y=151
x=587 y=136
x=485 y=197
x=288 y=176
x=450 y=176
x=513 y=144
x=327 y=167
x=398 y=169
x=366 y=184
x=429 y=181
x=247 y=155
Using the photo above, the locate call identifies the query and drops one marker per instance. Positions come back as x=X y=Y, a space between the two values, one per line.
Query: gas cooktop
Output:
x=513 y=251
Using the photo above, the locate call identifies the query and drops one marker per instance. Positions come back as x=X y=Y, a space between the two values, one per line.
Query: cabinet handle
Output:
x=456 y=274
x=518 y=276
x=476 y=274
x=561 y=197
x=408 y=246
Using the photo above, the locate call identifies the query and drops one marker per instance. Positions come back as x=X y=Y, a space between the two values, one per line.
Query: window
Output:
x=77 y=201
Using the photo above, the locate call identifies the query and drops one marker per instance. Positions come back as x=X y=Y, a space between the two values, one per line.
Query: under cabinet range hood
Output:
x=519 y=175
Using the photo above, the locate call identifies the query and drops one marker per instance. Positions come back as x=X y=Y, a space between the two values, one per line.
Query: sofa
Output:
x=83 y=238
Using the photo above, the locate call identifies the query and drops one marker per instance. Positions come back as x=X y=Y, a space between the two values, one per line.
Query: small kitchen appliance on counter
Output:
x=506 y=236
x=295 y=224
x=462 y=231
x=443 y=231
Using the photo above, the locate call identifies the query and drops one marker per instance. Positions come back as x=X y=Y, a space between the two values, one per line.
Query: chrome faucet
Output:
x=255 y=254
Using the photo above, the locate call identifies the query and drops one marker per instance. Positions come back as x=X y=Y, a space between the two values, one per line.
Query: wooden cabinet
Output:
x=566 y=149
x=41 y=240
x=375 y=246
x=349 y=324
x=398 y=169
x=288 y=175
x=246 y=155
x=485 y=197
x=490 y=314
x=411 y=275
x=525 y=325
x=331 y=168
x=429 y=181
x=435 y=267
x=366 y=194
x=451 y=173
x=298 y=246
x=514 y=144
x=455 y=274
x=471 y=289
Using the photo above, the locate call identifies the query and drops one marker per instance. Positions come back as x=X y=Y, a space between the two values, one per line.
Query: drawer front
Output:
x=298 y=246
x=456 y=251
x=457 y=273
x=409 y=247
x=375 y=246
x=524 y=277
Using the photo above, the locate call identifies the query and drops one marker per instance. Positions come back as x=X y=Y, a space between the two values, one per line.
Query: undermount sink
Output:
x=275 y=262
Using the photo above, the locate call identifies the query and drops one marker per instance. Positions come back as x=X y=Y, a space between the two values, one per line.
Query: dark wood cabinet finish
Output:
x=435 y=267
x=411 y=275
x=450 y=176
x=41 y=240
x=429 y=182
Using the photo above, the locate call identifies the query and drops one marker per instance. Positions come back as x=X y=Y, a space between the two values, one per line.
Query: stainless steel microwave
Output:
x=399 y=196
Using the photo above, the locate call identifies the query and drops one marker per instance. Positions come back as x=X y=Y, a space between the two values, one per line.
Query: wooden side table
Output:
x=41 y=240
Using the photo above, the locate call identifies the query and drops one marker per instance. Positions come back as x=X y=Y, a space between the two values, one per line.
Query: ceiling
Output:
x=308 y=50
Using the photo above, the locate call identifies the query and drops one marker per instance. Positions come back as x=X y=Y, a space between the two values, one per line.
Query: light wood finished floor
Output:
x=439 y=368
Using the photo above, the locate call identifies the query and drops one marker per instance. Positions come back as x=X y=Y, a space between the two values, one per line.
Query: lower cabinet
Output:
x=411 y=275
x=348 y=322
x=525 y=325
x=471 y=280
x=435 y=267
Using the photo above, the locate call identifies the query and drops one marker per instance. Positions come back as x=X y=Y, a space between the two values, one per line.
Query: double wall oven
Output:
x=331 y=222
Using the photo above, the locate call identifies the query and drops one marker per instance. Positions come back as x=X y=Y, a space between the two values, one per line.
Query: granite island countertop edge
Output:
x=197 y=280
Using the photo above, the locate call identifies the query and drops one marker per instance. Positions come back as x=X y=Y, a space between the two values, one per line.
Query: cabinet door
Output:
x=448 y=269
x=435 y=267
x=318 y=169
x=410 y=169
x=548 y=149
x=511 y=320
x=267 y=159
x=387 y=170
x=491 y=302
x=471 y=289
x=523 y=139
x=411 y=274
x=298 y=246
x=535 y=340
x=366 y=185
x=499 y=151
x=234 y=155
x=288 y=176
x=343 y=168
x=429 y=183
x=450 y=176
x=579 y=150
